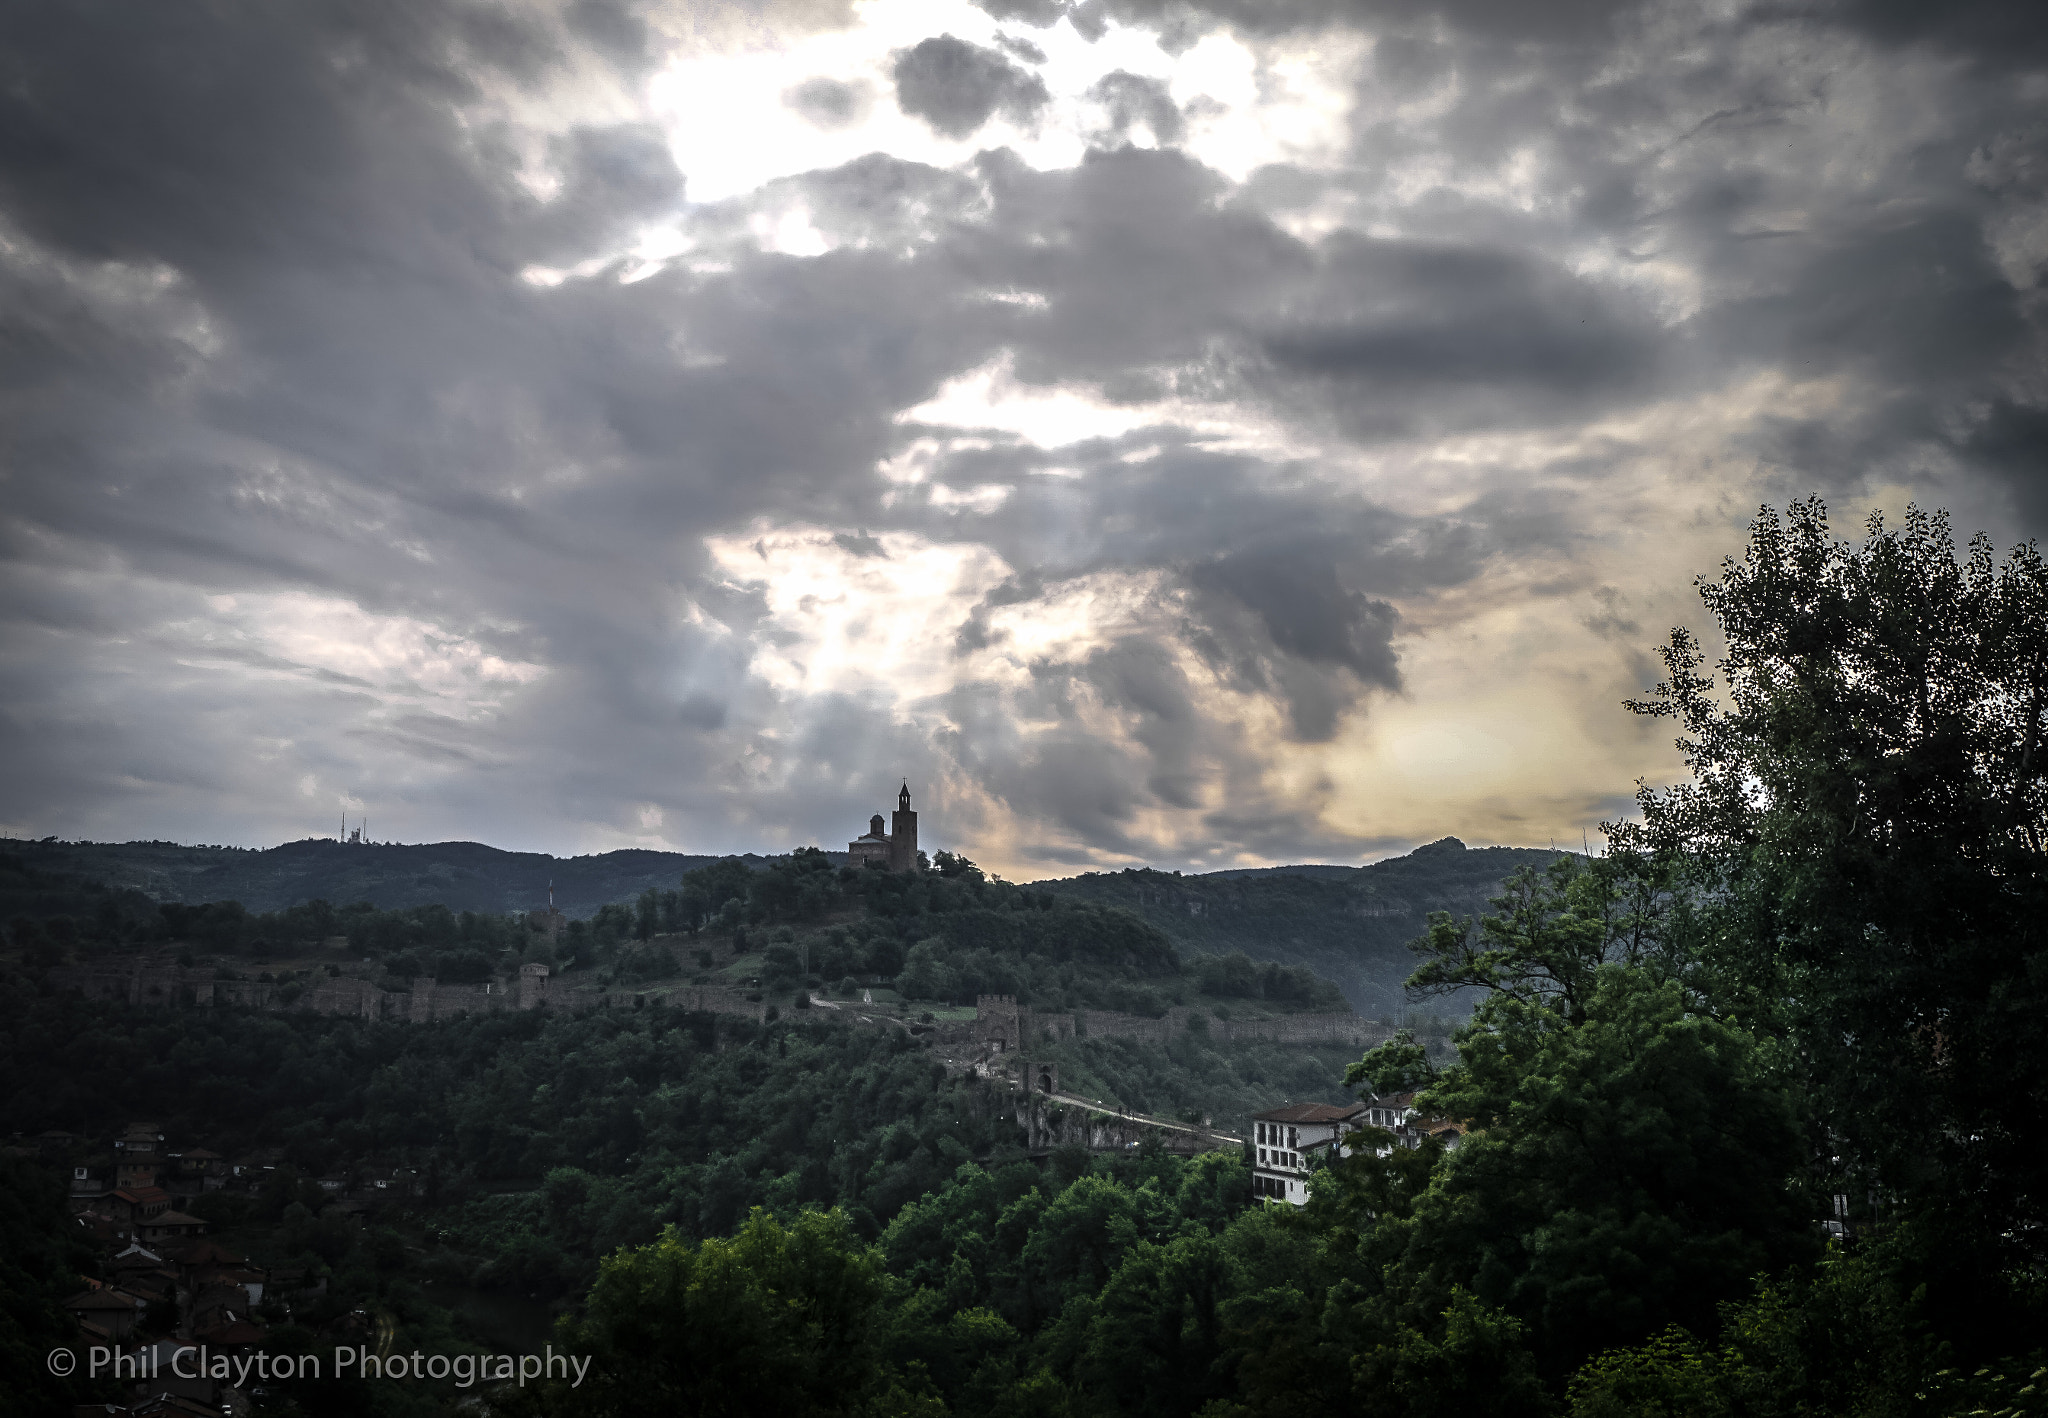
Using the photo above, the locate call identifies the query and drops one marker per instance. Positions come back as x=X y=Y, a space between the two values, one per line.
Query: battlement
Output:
x=998 y=1023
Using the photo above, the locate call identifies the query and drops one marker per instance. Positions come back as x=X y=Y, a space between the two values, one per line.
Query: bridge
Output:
x=1057 y=1119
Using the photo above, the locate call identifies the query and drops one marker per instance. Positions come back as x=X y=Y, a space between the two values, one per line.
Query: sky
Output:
x=1196 y=435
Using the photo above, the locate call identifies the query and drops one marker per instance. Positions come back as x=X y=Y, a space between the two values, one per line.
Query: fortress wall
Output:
x=163 y=984
x=1331 y=1028
x=170 y=986
x=1326 y=1028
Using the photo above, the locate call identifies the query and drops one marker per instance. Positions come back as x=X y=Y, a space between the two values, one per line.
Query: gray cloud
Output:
x=957 y=87
x=306 y=482
x=829 y=103
x=1133 y=101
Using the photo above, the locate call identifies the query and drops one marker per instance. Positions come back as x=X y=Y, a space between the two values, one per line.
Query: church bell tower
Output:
x=903 y=834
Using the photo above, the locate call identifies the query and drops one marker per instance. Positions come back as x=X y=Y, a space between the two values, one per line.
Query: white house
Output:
x=1284 y=1139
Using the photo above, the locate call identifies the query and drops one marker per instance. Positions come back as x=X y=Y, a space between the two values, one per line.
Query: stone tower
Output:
x=903 y=834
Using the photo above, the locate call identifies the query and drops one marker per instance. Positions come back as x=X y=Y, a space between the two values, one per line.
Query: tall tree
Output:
x=1865 y=820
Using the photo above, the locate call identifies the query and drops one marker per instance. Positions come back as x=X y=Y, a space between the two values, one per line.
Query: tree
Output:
x=1550 y=931
x=40 y=1260
x=1626 y=1171
x=953 y=865
x=1398 y=1066
x=778 y=1319
x=1863 y=830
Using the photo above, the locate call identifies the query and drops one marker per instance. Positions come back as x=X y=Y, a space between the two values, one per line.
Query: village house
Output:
x=194 y=1173
x=90 y=1181
x=169 y=1226
x=1285 y=1138
x=1288 y=1141
x=131 y=1207
x=106 y=1313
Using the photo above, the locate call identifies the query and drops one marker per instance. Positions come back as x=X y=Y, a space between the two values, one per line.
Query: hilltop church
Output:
x=896 y=849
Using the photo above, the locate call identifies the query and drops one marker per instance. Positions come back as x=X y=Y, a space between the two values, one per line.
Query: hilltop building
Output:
x=894 y=850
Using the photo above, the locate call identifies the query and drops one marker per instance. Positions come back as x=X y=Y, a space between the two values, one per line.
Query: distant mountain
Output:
x=464 y=876
x=1350 y=925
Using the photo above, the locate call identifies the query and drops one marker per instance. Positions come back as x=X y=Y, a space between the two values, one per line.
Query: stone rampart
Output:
x=162 y=984
x=1000 y=1025
x=1325 y=1028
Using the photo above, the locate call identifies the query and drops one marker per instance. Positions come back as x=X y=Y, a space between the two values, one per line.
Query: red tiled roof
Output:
x=1309 y=1113
x=101 y=1300
x=210 y=1252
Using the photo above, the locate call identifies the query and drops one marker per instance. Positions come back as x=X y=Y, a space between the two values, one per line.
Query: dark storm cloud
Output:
x=267 y=354
x=613 y=26
x=1307 y=612
x=1153 y=286
x=269 y=336
x=1992 y=32
x=1135 y=101
x=957 y=87
x=1021 y=48
x=1186 y=18
x=1478 y=333
x=1042 y=14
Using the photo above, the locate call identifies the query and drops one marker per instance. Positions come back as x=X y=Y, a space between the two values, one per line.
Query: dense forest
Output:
x=1754 y=1107
x=463 y=876
x=798 y=924
x=1351 y=925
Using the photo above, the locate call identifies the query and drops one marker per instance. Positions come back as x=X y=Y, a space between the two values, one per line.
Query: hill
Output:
x=463 y=876
x=1351 y=925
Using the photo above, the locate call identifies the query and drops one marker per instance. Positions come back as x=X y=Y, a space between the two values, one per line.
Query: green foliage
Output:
x=1548 y=933
x=40 y=1262
x=1398 y=1066
x=1628 y=1171
x=1192 y=1074
x=1670 y=1376
x=1236 y=976
x=1815 y=968
x=1862 y=837
x=388 y=876
x=950 y=865
x=786 y=1319
x=1348 y=925
x=1842 y=1337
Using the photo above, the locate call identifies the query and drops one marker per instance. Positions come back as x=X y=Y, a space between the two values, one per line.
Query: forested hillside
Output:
x=1351 y=925
x=463 y=876
x=1751 y=1114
